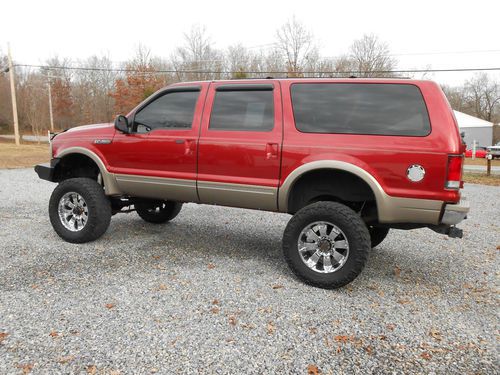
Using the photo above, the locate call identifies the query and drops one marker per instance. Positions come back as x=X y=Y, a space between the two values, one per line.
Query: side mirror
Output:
x=121 y=124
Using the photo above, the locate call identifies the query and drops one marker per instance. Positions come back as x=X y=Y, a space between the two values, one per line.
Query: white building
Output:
x=475 y=129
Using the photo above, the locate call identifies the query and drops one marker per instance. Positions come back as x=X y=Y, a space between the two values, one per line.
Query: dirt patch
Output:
x=482 y=161
x=481 y=178
x=23 y=156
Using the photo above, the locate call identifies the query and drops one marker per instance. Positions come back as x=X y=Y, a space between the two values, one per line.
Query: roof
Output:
x=467 y=121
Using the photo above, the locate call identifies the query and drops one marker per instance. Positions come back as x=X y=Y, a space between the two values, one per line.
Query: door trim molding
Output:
x=238 y=195
x=158 y=187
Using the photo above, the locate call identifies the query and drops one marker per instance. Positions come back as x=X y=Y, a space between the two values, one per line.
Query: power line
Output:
x=186 y=71
x=427 y=53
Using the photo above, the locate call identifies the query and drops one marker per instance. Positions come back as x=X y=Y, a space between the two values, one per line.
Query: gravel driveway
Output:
x=210 y=293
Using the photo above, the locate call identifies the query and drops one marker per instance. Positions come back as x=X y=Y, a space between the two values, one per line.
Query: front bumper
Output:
x=46 y=171
x=455 y=213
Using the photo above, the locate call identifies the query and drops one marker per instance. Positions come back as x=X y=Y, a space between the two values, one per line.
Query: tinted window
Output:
x=173 y=110
x=384 y=109
x=243 y=110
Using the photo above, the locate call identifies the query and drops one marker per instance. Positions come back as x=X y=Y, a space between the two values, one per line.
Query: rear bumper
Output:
x=46 y=171
x=455 y=213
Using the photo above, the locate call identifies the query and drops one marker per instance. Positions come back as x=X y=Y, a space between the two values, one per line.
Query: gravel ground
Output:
x=210 y=293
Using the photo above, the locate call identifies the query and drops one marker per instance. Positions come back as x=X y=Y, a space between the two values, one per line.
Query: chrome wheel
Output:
x=73 y=211
x=323 y=247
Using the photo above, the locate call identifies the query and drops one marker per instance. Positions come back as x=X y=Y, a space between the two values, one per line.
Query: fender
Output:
x=109 y=180
x=390 y=209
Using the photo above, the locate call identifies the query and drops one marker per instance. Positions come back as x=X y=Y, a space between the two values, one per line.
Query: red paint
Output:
x=241 y=156
x=267 y=158
x=479 y=153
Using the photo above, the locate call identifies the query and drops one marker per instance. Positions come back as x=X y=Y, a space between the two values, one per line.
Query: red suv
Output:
x=348 y=158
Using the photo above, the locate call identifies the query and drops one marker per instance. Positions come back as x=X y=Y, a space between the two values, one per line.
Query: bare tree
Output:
x=139 y=82
x=61 y=84
x=324 y=68
x=198 y=56
x=457 y=98
x=32 y=99
x=238 y=61
x=91 y=90
x=271 y=62
x=296 y=44
x=345 y=66
x=483 y=96
x=371 y=57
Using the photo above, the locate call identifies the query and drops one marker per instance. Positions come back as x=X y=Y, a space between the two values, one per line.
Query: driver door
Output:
x=158 y=159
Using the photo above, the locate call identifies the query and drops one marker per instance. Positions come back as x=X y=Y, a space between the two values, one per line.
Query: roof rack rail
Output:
x=248 y=78
x=336 y=77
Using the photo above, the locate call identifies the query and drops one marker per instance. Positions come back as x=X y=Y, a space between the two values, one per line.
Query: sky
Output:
x=438 y=34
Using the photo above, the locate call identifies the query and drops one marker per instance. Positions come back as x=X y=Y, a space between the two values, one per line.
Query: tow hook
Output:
x=451 y=231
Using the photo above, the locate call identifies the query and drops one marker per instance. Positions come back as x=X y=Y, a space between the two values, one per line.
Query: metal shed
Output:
x=475 y=129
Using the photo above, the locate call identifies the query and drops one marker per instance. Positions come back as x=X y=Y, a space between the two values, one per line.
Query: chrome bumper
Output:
x=455 y=213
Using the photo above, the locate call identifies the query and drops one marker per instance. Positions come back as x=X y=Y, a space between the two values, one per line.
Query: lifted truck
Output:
x=348 y=158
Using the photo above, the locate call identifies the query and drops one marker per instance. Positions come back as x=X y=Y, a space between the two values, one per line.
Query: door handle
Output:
x=271 y=151
x=189 y=145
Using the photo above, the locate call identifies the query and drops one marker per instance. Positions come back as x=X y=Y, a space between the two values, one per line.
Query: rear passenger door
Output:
x=240 y=145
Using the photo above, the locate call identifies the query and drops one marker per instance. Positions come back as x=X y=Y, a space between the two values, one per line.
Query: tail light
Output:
x=454 y=173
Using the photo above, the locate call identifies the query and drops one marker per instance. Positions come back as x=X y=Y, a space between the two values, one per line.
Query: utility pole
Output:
x=50 y=104
x=13 y=96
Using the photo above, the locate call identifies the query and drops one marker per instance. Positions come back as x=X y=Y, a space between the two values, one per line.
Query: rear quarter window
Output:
x=360 y=108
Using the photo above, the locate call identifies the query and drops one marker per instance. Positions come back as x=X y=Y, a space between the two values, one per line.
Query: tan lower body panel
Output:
x=390 y=209
x=238 y=195
x=158 y=187
x=408 y=210
x=224 y=194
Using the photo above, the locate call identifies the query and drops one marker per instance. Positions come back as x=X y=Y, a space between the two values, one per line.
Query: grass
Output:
x=482 y=161
x=23 y=156
x=481 y=178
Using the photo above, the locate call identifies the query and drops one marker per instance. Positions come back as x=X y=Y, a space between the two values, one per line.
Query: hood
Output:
x=89 y=130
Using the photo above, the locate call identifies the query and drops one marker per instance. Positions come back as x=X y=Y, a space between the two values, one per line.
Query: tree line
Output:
x=93 y=90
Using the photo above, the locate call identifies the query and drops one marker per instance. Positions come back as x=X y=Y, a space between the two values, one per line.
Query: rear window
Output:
x=357 y=108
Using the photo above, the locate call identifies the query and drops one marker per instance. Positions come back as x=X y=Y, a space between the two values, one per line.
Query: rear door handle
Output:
x=271 y=151
x=189 y=145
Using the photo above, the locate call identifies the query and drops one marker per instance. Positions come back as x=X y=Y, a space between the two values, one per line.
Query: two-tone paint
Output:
x=258 y=169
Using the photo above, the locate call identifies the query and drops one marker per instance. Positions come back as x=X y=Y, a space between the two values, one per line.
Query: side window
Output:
x=243 y=111
x=174 y=110
x=359 y=108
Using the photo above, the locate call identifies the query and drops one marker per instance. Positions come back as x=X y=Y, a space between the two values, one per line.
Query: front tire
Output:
x=326 y=244
x=158 y=212
x=79 y=210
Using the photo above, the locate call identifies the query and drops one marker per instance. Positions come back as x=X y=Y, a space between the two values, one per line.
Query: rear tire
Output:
x=377 y=235
x=79 y=210
x=326 y=244
x=158 y=212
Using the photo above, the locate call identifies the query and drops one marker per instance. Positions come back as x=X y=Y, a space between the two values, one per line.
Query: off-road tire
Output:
x=99 y=209
x=168 y=212
x=355 y=232
x=377 y=235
